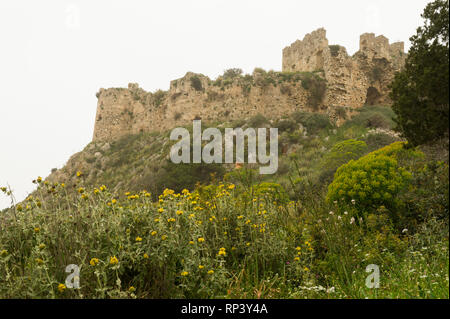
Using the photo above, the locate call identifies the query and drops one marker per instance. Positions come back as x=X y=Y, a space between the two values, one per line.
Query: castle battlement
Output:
x=309 y=54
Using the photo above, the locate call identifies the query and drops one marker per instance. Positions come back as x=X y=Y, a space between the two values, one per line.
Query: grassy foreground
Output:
x=220 y=241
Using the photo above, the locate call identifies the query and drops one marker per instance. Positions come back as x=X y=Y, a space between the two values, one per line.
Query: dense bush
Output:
x=427 y=196
x=316 y=87
x=369 y=182
x=375 y=141
x=232 y=73
x=158 y=97
x=286 y=125
x=313 y=122
x=374 y=116
x=334 y=50
x=257 y=121
x=181 y=176
x=196 y=83
x=272 y=192
x=344 y=151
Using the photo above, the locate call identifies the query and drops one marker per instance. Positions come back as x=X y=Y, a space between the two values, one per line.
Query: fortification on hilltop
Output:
x=351 y=82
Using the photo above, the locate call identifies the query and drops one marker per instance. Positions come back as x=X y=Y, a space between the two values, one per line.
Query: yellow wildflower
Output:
x=184 y=273
x=113 y=260
x=201 y=240
x=222 y=252
x=138 y=238
x=94 y=261
x=61 y=287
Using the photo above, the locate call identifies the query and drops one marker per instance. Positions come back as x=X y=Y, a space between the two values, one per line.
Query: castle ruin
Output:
x=351 y=82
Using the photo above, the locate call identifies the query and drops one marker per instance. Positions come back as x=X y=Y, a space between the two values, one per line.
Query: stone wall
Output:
x=352 y=81
x=130 y=111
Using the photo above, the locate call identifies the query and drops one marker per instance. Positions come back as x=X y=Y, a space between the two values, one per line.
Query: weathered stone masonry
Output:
x=352 y=81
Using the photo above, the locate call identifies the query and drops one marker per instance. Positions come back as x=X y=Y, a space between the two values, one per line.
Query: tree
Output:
x=420 y=92
x=232 y=73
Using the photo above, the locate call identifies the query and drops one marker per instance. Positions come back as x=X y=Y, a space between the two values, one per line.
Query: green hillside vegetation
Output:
x=140 y=226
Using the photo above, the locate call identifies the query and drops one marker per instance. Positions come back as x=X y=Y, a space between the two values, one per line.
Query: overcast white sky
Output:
x=55 y=55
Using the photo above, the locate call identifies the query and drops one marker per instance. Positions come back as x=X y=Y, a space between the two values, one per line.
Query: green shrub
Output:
x=334 y=50
x=374 y=116
x=232 y=73
x=405 y=155
x=257 y=121
x=341 y=112
x=369 y=182
x=378 y=140
x=180 y=176
x=196 y=83
x=271 y=192
x=343 y=152
x=158 y=97
x=286 y=125
x=316 y=87
x=314 y=122
x=427 y=197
